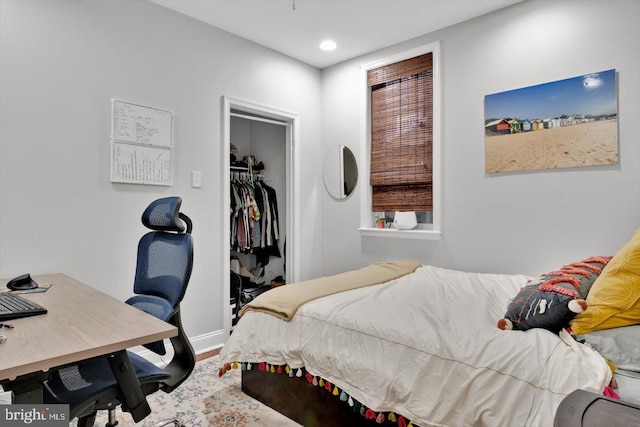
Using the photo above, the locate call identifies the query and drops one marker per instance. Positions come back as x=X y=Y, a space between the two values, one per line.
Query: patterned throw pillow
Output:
x=551 y=301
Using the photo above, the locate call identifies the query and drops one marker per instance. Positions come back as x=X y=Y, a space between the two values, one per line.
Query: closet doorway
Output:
x=258 y=154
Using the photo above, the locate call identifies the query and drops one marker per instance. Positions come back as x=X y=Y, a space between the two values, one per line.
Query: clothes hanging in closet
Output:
x=254 y=218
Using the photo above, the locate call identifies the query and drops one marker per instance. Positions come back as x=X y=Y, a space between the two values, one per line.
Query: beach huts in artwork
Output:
x=505 y=126
x=498 y=127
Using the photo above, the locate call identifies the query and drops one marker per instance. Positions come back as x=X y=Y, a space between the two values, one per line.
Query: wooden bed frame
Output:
x=303 y=402
x=313 y=406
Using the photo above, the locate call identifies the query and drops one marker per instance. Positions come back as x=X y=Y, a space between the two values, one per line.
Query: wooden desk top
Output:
x=81 y=323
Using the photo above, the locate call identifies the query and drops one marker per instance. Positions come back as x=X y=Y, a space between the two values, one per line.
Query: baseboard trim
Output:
x=201 y=344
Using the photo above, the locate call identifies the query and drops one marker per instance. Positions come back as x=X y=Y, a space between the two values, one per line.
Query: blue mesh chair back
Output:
x=165 y=259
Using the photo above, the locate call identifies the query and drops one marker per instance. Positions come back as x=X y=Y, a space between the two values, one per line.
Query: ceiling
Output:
x=296 y=27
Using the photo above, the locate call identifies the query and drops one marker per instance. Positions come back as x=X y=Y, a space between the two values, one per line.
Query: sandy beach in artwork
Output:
x=587 y=144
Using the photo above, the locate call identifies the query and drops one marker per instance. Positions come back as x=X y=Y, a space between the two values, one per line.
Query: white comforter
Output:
x=426 y=346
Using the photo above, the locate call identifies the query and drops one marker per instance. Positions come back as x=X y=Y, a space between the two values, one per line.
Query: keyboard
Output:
x=14 y=307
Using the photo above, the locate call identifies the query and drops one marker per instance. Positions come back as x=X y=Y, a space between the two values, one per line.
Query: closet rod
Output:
x=258 y=119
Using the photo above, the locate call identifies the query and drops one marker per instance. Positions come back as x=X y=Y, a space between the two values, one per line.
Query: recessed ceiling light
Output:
x=328 y=45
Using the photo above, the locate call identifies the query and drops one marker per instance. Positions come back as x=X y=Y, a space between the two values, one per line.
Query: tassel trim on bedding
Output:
x=357 y=407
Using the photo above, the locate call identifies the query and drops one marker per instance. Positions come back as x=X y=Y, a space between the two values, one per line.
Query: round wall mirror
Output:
x=340 y=172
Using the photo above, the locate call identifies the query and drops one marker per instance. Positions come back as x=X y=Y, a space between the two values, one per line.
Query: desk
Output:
x=81 y=323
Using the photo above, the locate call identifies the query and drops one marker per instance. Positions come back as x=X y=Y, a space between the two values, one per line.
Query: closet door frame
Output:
x=290 y=121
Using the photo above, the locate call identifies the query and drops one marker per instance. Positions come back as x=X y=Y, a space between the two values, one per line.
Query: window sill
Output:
x=394 y=233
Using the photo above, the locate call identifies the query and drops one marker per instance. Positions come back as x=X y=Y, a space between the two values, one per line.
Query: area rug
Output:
x=206 y=400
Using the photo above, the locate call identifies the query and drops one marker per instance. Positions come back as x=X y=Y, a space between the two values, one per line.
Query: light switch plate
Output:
x=196 y=179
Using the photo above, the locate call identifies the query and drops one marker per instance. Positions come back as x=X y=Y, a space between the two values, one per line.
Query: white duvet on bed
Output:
x=426 y=346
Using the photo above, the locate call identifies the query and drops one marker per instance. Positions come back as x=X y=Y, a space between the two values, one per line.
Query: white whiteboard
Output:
x=139 y=164
x=141 y=144
x=142 y=125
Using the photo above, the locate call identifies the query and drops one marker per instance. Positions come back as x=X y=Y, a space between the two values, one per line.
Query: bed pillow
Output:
x=553 y=299
x=619 y=345
x=614 y=298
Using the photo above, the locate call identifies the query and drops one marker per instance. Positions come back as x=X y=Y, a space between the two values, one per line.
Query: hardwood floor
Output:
x=208 y=354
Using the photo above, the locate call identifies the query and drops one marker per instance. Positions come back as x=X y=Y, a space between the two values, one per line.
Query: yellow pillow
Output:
x=614 y=298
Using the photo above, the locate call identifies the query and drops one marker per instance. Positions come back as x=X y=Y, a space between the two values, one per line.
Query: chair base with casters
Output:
x=163 y=269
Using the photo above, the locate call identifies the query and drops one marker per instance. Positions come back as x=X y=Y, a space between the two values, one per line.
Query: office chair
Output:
x=165 y=259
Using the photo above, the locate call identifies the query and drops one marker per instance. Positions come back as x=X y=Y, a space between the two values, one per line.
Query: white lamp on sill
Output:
x=405 y=220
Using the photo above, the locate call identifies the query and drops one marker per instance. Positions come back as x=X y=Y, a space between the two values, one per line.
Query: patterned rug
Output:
x=206 y=400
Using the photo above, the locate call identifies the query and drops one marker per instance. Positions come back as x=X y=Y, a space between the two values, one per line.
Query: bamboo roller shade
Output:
x=402 y=135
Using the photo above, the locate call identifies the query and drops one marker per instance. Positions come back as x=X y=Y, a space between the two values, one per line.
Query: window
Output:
x=403 y=137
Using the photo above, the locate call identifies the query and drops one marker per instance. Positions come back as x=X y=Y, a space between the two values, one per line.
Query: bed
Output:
x=419 y=349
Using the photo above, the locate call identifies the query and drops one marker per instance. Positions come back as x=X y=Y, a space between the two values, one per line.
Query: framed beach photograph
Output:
x=562 y=124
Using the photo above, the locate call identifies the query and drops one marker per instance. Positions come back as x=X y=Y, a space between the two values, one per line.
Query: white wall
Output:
x=521 y=222
x=61 y=62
